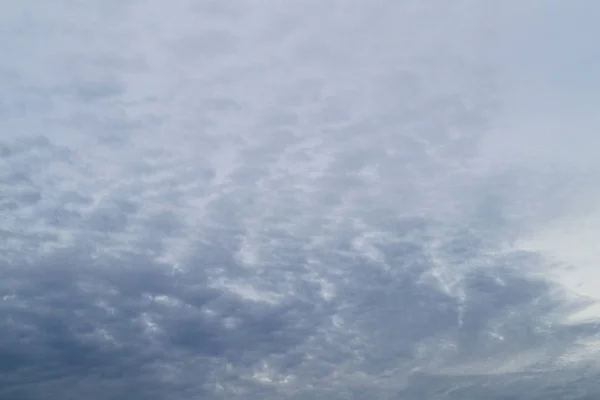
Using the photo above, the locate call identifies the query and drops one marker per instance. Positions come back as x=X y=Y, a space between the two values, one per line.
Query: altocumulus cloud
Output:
x=294 y=200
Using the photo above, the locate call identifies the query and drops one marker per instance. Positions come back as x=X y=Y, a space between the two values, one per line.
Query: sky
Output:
x=256 y=199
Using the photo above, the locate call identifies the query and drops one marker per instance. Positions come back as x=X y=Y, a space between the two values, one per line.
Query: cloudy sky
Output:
x=301 y=199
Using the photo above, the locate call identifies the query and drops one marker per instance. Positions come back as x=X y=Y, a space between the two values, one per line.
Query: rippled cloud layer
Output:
x=297 y=200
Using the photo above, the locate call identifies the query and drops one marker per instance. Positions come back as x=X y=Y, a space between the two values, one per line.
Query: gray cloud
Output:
x=265 y=201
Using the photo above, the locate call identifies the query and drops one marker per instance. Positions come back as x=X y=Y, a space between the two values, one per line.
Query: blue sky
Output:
x=298 y=200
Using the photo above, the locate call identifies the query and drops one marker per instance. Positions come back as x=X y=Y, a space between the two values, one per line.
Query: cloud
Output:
x=299 y=200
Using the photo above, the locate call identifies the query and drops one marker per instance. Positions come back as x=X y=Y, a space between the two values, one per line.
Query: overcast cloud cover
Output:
x=300 y=199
